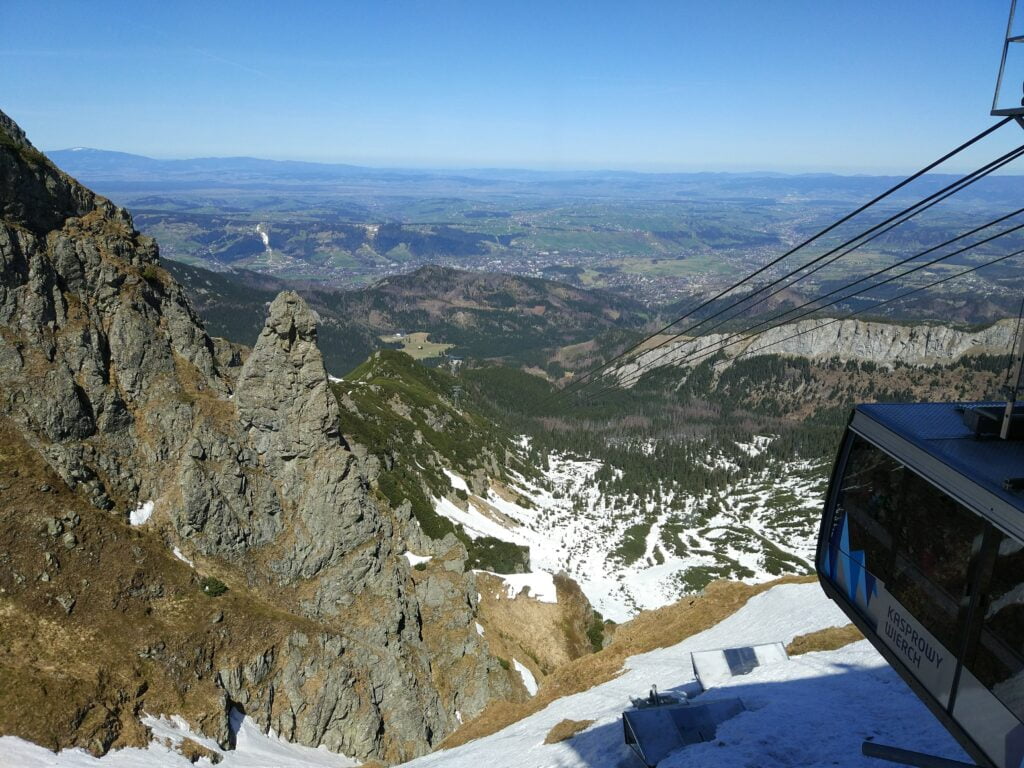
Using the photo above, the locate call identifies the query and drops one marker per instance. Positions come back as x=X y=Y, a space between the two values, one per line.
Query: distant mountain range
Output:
x=101 y=163
x=123 y=171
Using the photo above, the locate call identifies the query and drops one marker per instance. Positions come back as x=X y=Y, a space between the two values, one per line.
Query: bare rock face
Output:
x=95 y=333
x=885 y=344
x=283 y=396
x=290 y=417
x=107 y=373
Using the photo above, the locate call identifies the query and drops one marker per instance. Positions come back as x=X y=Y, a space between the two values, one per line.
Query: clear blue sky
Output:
x=832 y=85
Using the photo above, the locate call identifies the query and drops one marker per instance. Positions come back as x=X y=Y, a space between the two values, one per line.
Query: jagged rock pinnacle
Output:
x=283 y=394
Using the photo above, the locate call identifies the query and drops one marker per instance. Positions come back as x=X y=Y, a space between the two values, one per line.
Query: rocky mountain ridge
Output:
x=884 y=344
x=159 y=434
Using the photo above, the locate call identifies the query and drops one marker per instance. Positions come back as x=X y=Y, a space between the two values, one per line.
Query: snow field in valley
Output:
x=253 y=749
x=762 y=526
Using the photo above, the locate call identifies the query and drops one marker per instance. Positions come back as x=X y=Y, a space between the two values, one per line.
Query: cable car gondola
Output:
x=922 y=545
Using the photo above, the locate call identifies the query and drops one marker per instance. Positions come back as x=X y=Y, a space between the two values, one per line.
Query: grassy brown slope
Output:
x=543 y=636
x=647 y=632
x=566 y=729
x=140 y=635
x=828 y=639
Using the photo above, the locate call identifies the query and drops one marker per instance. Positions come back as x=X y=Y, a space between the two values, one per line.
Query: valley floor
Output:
x=762 y=526
x=814 y=710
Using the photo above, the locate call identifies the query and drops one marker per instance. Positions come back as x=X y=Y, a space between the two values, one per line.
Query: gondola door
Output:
x=899 y=552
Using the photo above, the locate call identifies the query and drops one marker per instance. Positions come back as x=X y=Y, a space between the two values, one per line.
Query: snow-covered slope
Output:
x=637 y=524
x=253 y=749
x=630 y=556
x=814 y=710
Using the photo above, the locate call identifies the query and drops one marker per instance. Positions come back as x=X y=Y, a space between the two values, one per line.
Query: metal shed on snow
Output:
x=714 y=667
x=654 y=732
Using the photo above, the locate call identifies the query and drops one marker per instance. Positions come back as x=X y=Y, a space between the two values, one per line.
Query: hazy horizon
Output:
x=874 y=88
x=596 y=169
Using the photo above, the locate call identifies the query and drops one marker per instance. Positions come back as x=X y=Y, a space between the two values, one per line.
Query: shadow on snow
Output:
x=809 y=721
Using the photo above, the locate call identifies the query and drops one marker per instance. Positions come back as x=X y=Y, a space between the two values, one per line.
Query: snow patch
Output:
x=479 y=629
x=475 y=523
x=457 y=482
x=757 y=445
x=416 y=559
x=141 y=514
x=178 y=554
x=540 y=583
x=528 y=679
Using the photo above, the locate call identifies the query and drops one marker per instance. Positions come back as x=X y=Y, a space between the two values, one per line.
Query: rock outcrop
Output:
x=290 y=418
x=107 y=374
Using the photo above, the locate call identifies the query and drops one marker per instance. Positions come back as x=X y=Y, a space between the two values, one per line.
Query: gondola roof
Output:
x=937 y=441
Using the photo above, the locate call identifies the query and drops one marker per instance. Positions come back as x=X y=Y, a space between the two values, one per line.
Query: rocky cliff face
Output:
x=107 y=375
x=882 y=343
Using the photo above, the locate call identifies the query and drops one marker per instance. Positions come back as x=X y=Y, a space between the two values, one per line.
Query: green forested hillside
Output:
x=405 y=414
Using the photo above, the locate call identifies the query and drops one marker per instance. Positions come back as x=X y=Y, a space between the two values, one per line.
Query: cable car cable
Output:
x=718 y=346
x=1013 y=347
x=874 y=307
x=952 y=153
x=711 y=349
x=646 y=366
x=942 y=194
x=946 y=193
x=750 y=328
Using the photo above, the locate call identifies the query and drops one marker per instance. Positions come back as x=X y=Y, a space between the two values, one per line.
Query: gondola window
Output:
x=913 y=538
x=998 y=658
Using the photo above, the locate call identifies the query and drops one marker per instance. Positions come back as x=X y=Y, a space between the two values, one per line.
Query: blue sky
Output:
x=793 y=85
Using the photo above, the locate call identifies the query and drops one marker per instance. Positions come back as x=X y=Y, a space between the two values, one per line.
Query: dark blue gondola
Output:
x=922 y=545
